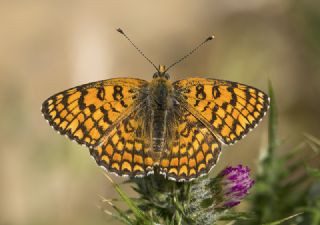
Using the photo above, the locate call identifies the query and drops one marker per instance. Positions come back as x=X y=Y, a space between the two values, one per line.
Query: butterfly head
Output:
x=161 y=73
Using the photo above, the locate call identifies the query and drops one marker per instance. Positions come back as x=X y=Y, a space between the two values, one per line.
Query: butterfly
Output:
x=133 y=127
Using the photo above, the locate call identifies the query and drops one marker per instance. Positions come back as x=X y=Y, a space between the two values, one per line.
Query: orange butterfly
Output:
x=132 y=126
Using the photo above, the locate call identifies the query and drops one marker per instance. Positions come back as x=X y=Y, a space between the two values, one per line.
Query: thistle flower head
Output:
x=235 y=184
x=211 y=197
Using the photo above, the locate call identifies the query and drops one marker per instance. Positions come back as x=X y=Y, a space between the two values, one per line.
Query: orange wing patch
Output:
x=194 y=150
x=230 y=109
x=84 y=113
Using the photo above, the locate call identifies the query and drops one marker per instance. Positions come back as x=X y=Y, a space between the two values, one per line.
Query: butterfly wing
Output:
x=229 y=109
x=85 y=113
x=125 y=150
x=193 y=151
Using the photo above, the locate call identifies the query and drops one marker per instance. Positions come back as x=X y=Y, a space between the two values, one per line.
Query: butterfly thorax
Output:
x=160 y=92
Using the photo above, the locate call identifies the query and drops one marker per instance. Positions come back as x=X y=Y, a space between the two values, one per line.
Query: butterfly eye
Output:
x=156 y=75
x=167 y=76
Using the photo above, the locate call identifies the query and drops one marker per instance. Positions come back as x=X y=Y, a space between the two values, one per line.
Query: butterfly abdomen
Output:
x=159 y=118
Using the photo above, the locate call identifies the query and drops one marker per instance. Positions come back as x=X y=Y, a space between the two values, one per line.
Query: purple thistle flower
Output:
x=235 y=184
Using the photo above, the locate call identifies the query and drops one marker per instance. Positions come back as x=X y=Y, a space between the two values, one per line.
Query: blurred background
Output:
x=49 y=46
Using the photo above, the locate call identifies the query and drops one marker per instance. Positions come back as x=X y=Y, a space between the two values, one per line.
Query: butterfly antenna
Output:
x=121 y=32
x=191 y=52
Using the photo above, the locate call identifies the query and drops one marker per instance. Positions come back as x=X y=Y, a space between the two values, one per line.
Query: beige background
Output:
x=48 y=46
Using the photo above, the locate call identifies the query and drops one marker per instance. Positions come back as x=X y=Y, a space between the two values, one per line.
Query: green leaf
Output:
x=231 y=215
x=135 y=209
x=121 y=216
x=282 y=220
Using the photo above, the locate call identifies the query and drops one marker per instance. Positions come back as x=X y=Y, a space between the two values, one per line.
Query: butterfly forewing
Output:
x=84 y=113
x=229 y=109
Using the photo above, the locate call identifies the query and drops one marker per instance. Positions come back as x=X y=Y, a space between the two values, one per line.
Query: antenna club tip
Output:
x=210 y=38
x=120 y=30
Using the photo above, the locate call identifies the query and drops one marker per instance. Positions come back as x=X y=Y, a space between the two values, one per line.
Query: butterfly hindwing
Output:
x=229 y=108
x=84 y=113
x=193 y=151
x=126 y=148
